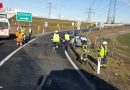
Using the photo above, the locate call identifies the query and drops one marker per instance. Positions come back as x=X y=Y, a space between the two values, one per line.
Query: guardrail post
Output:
x=98 y=67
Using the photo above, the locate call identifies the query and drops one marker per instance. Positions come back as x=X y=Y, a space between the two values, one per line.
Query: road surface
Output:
x=39 y=67
x=7 y=46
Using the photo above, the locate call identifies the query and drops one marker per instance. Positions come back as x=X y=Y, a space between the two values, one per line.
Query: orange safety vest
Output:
x=19 y=36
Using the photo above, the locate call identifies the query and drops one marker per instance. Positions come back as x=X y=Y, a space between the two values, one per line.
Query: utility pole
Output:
x=49 y=7
x=89 y=15
x=90 y=12
x=111 y=12
x=59 y=16
x=114 y=15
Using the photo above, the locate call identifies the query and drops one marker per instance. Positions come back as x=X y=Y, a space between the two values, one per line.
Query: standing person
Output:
x=30 y=32
x=56 y=39
x=67 y=39
x=85 y=50
x=22 y=29
x=103 y=53
x=19 y=37
x=24 y=33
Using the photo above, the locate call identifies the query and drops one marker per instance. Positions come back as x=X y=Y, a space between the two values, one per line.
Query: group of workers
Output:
x=66 y=40
x=21 y=34
x=57 y=39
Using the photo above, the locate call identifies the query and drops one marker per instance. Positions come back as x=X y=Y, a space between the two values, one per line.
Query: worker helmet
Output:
x=56 y=31
x=83 y=38
x=19 y=30
x=104 y=42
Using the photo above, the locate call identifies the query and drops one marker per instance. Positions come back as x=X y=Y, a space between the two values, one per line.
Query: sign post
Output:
x=45 y=27
x=58 y=25
x=39 y=28
x=73 y=25
x=78 y=25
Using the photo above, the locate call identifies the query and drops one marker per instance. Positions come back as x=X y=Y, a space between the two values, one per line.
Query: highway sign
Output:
x=58 y=25
x=39 y=27
x=46 y=24
x=23 y=16
x=72 y=23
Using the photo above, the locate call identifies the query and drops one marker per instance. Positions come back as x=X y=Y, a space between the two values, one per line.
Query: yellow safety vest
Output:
x=85 y=48
x=23 y=30
x=103 y=51
x=67 y=37
x=56 y=38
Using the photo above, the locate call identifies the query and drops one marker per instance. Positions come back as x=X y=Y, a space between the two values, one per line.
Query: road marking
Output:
x=71 y=60
x=78 y=70
x=1 y=87
x=10 y=55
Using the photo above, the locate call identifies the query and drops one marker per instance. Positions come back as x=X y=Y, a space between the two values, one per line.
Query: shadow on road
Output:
x=70 y=80
x=92 y=59
x=76 y=54
x=11 y=37
x=1 y=44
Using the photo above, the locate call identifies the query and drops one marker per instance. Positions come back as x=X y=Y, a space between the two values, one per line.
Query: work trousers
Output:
x=103 y=60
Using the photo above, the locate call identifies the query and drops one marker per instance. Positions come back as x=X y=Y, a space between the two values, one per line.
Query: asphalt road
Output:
x=7 y=46
x=39 y=67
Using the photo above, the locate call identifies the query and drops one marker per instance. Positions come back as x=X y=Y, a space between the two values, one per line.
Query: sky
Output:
x=72 y=9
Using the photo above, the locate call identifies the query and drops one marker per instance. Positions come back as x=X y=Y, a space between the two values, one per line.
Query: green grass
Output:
x=124 y=39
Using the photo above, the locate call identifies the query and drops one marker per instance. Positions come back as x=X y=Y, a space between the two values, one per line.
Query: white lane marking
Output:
x=78 y=70
x=10 y=55
x=71 y=60
x=1 y=87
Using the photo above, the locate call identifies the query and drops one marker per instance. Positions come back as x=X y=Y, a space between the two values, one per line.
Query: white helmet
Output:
x=84 y=39
x=104 y=42
x=56 y=31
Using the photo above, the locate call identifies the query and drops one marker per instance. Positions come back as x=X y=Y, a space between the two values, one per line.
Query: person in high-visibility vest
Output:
x=67 y=39
x=56 y=39
x=19 y=37
x=23 y=30
x=85 y=50
x=102 y=53
x=67 y=36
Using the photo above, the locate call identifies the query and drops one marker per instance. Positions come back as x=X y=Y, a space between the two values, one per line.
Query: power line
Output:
x=93 y=3
x=49 y=9
x=99 y=5
x=111 y=12
x=89 y=15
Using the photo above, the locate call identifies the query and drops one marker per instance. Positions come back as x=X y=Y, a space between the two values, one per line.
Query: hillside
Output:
x=117 y=71
x=52 y=24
